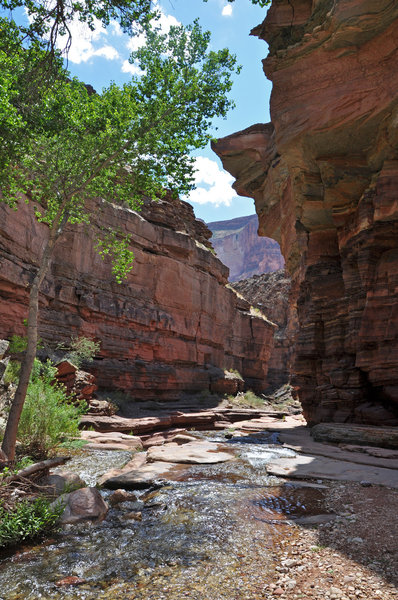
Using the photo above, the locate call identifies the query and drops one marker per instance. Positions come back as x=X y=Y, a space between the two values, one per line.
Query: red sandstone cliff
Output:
x=162 y=332
x=238 y=245
x=324 y=176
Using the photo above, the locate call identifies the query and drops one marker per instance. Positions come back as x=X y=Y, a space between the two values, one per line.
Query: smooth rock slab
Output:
x=153 y=474
x=319 y=467
x=114 y=440
x=200 y=452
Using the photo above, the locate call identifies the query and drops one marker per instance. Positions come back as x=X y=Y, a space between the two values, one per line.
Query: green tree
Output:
x=52 y=20
x=116 y=145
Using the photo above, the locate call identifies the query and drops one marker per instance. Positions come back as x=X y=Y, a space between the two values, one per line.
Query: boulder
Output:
x=229 y=384
x=77 y=382
x=62 y=482
x=3 y=348
x=82 y=505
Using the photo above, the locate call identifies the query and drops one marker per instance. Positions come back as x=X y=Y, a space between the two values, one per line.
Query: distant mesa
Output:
x=238 y=245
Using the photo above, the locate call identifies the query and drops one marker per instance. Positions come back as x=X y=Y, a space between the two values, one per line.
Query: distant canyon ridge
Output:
x=238 y=245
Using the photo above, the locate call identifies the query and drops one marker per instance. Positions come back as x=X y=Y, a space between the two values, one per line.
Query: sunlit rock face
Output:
x=324 y=177
x=172 y=327
x=238 y=245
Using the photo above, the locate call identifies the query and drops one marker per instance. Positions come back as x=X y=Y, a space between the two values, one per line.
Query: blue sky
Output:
x=102 y=56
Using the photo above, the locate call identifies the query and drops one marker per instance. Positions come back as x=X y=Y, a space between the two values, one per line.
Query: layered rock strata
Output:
x=172 y=327
x=238 y=245
x=324 y=176
x=270 y=293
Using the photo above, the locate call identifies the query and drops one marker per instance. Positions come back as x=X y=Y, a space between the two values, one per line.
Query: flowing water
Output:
x=213 y=535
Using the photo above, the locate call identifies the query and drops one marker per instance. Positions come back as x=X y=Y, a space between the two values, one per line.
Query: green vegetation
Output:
x=27 y=520
x=235 y=372
x=11 y=373
x=48 y=419
x=81 y=349
x=63 y=148
x=247 y=399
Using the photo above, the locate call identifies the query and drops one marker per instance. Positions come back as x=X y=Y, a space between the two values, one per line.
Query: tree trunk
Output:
x=10 y=435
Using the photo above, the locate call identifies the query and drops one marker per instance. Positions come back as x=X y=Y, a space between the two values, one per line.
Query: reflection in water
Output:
x=211 y=535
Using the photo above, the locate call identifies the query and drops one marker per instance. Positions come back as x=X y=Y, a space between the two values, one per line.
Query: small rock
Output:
x=133 y=516
x=366 y=484
x=120 y=496
x=278 y=591
x=71 y=580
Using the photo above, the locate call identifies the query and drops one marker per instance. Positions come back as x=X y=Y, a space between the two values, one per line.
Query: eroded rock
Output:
x=324 y=176
x=82 y=505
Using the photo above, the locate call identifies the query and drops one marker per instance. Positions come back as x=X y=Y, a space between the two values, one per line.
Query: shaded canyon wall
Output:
x=324 y=177
x=172 y=327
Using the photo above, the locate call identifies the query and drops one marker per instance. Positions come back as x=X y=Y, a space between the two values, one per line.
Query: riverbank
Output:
x=354 y=556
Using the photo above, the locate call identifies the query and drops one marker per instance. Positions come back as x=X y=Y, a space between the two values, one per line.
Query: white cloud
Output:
x=132 y=69
x=227 y=11
x=213 y=184
x=87 y=44
x=136 y=42
x=108 y=52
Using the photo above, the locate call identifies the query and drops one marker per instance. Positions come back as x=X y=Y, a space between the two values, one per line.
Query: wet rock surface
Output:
x=226 y=531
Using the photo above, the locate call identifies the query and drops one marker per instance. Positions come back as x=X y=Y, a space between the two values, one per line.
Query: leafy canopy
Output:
x=72 y=146
x=50 y=19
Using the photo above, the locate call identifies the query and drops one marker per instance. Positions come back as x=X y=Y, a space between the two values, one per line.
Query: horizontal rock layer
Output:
x=172 y=327
x=324 y=176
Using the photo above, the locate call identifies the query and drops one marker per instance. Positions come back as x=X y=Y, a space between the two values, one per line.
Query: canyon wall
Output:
x=238 y=245
x=270 y=293
x=324 y=177
x=171 y=328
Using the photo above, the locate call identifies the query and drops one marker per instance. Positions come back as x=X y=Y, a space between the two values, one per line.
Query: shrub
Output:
x=11 y=374
x=47 y=419
x=248 y=399
x=82 y=349
x=27 y=520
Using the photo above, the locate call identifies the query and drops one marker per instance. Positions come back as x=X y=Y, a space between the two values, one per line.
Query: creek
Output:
x=212 y=535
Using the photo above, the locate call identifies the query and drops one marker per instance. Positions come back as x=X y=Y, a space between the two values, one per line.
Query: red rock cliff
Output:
x=324 y=176
x=169 y=329
x=245 y=253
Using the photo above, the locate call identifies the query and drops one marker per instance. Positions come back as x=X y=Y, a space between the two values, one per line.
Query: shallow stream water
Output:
x=213 y=535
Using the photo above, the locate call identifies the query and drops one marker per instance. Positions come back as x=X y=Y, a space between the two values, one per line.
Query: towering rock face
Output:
x=171 y=328
x=324 y=176
x=238 y=245
x=270 y=293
